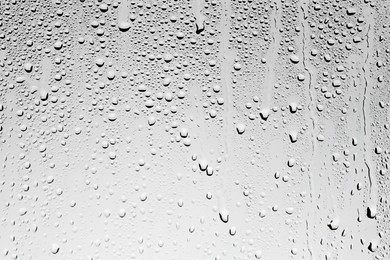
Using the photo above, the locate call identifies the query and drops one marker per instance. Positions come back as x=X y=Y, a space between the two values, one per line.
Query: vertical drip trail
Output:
x=270 y=68
x=366 y=124
x=227 y=58
x=313 y=119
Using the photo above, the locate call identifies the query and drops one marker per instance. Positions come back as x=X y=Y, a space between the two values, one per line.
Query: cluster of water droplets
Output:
x=194 y=129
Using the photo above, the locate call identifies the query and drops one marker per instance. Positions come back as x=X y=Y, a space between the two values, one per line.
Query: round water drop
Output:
x=22 y=211
x=203 y=164
x=187 y=141
x=141 y=88
x=264 y=113
x=320 y=138
x=293 y=107
x=151 y=120
x=99 y=62
x=351 y=11
x=334 y=224
x=43 y=95
x=149 y=103
x=200 y=20
x=143 y=196
x=294 y=251
x=42 y=148
x=103 y=7
x=20 y=79
x=173 y=18
x=55 y=248
x=112 y=155
x=33 y=89
x=168 y=57
x=28 y=66
x=77 y=130
x=240 y=128
x=327 y=57
x=167 y=81
x=237 y=66
x=184 y=132
x=209 y=171
x=354 y=141
x=290 y=210
x=373 y=246
x=291 y=162
x=232 y=231
x=58 y=45
x=301 y=77
x=132 y=17
x=191 y=229
x=224 y=215
x=112 y=117
x=293 y=136
x=168 y=96
x=258 y=254
x=111 y=74
x=180 y=35
x=180 y=203
x=378 y=150
x=122 y=213
x=371 y=211
x=336 y=83
x=216 y=88
x=124 y=26
x=50 y=179
x=294 y=59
